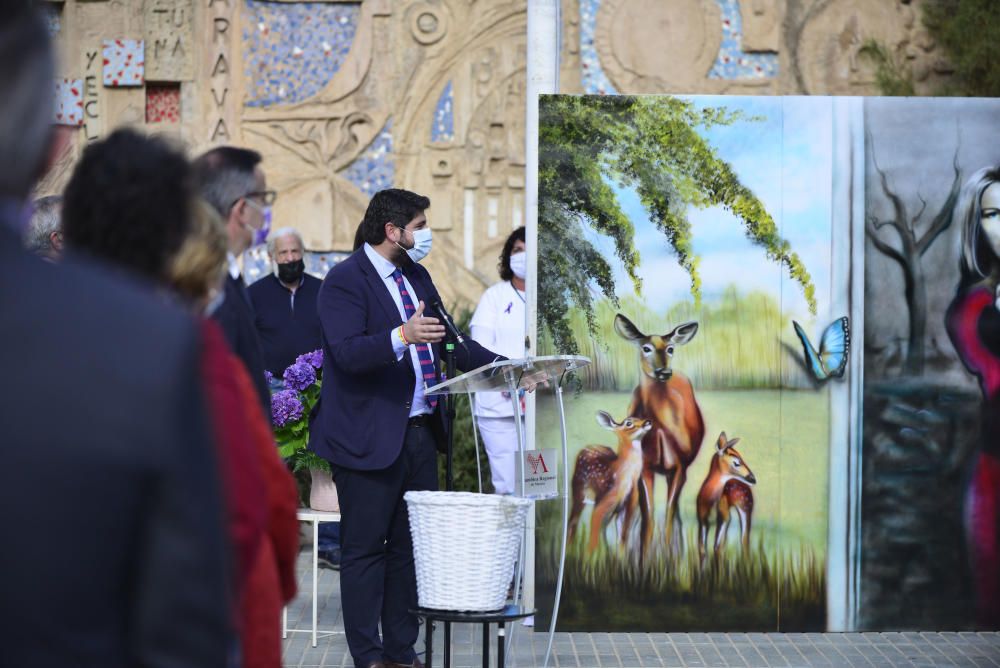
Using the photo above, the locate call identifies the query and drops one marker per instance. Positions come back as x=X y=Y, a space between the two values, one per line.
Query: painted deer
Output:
x=611 y=477
x=666 y=398
x=727 y=488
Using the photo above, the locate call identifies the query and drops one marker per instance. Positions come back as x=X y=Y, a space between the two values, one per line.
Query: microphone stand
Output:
x=449 y=417
x=449 y=422
x=452 y=336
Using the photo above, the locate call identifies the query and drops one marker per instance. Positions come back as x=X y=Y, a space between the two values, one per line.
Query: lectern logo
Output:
x=536 y=463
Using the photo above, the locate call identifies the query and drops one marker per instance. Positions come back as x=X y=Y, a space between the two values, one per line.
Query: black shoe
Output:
x=329 y=558
x=417 y=663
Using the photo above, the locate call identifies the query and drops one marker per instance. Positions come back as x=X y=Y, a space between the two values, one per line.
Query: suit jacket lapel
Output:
x=378 y=287
x=381 y=291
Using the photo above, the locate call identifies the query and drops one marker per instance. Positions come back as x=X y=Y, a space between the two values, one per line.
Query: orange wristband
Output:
x=402 y=335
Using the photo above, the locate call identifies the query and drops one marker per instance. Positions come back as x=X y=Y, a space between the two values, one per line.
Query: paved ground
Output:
x=638 y=650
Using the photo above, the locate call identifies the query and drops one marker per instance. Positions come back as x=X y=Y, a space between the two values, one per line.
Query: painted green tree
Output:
x=652 y=145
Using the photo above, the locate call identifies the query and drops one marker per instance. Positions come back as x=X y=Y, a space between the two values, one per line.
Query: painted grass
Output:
x=763 y=590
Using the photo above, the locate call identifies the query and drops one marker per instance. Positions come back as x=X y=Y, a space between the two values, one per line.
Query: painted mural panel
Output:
x=929 y=541
x=679 y=238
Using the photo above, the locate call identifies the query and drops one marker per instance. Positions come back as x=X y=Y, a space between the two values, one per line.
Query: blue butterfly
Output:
x=831 y=360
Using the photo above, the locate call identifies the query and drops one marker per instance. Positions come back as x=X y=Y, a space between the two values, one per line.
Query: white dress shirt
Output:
x=385 y=269
x=499 y=325
x=234 y=266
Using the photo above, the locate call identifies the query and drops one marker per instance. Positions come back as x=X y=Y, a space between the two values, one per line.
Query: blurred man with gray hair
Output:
x=232 y=180
x=285 y=303
x=44 y=234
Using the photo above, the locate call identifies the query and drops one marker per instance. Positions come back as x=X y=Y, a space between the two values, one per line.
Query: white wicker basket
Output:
x=465 y=546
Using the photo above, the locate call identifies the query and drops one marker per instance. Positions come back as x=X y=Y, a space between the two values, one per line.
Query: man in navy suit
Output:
x=375 y=425
x=232 y=181
x=103 y=426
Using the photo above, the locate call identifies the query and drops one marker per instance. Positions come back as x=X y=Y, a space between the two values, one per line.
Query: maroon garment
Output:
x=262 y=503
x=271 y=581
x=972 y=322
x=243 y=482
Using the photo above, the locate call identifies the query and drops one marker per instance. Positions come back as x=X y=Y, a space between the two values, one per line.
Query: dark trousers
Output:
x=377 y=577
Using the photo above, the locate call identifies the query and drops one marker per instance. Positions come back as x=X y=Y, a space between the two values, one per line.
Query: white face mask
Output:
x=421 y=245
x=519 y=264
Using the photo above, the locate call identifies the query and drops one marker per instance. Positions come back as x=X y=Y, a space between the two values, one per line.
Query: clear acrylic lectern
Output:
x=512 y=376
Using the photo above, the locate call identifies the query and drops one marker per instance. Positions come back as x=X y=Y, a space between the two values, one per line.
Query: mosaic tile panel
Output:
x=374 y=169
x=595 y=82
x=319 y=263
x=293 y=50
x=124 y=62
x=731 y=63
x=256 y=264
x=443 y=126
x=69 y=102
x=163 y=103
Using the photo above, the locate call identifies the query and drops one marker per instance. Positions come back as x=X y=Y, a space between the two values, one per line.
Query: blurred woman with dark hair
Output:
x=131 y=203
x=499 y=325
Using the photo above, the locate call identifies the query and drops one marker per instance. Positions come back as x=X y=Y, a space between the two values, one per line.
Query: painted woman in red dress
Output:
x=973 y=323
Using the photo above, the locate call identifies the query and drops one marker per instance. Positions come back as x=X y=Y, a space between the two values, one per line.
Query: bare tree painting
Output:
x=913 y=244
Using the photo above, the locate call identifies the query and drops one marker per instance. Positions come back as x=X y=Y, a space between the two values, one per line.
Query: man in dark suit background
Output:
x=374 y=423
x=233 y=182
x=103 y=427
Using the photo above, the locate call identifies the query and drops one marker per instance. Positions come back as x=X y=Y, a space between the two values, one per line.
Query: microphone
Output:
x=449 y=324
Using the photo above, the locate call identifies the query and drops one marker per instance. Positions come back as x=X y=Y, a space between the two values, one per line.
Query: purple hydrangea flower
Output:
x=285 y=407
x=299 y=376
x=313 y=359
x=268 y=376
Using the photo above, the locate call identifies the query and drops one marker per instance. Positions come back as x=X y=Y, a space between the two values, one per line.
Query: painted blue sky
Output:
x=786 y=159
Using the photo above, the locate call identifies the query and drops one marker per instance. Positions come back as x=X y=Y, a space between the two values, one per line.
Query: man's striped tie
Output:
x=423 y=352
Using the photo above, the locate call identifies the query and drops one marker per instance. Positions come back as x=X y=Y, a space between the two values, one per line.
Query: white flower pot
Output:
x=323 y=493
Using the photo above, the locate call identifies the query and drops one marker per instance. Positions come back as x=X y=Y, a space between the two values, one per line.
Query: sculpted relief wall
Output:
x=760 y=47
x=344 y=97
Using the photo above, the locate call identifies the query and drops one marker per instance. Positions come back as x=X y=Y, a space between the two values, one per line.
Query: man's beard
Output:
x=402 y=258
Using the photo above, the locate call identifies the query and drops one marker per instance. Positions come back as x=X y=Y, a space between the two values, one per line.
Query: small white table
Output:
x=317 y=517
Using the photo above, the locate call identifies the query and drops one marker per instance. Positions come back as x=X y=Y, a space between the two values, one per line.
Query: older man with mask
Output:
x=285 y=304
x=288 y=326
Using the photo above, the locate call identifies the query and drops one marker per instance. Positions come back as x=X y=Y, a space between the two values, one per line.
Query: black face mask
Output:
x=291 y=272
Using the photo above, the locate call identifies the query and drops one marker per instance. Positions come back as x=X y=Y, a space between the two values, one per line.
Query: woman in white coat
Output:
x=499 y=325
